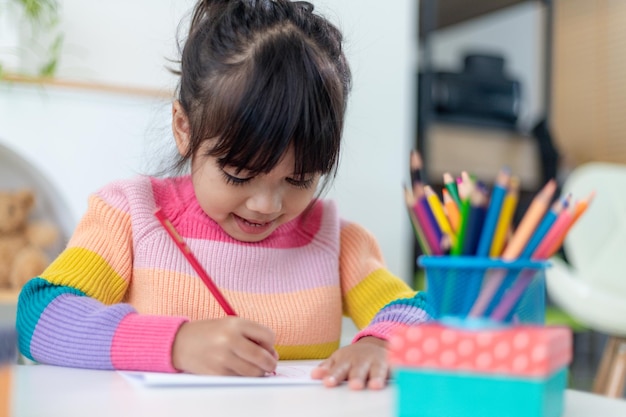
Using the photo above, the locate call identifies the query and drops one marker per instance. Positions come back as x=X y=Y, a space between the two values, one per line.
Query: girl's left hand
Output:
x=362 y=364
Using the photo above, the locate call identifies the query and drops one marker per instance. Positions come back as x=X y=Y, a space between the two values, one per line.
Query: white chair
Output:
x=592 y=288
x=17 y=172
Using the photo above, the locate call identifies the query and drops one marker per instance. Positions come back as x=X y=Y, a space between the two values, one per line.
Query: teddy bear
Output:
x=24 y=244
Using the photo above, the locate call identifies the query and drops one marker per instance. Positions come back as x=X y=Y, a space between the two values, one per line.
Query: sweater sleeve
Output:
x=375 y=299
x=74 y=315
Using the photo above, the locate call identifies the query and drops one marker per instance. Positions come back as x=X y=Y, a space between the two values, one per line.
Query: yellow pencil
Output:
x=505 y=218
x=439 y=213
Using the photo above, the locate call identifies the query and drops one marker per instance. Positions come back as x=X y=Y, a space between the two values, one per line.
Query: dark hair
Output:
x=260 y=76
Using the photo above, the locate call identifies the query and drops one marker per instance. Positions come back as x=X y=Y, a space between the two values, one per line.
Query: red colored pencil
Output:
x=180 y=243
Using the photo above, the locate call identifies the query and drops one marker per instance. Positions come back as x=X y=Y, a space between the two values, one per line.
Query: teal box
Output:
x=432 y=393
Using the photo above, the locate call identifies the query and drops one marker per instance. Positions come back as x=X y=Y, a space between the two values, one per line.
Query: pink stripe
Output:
x=298 y=232
x=177 y=200
x=382 y=330
x=259 y=270
x=121 y=194
x=144 y=342
x=252 y=268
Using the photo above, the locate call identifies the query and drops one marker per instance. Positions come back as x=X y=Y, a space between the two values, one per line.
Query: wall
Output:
x=590 y=81
x=83 y=139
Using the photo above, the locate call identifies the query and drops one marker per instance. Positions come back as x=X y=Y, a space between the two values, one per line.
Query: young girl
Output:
x=258 y=119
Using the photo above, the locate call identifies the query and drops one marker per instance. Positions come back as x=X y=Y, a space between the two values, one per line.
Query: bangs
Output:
x=284 y=94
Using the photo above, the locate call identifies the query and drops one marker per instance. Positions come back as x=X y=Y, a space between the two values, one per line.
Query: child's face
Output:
x=251 y=208
x=247 y=208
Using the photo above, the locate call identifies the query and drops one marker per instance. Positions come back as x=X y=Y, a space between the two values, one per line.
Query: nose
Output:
x=265 y=201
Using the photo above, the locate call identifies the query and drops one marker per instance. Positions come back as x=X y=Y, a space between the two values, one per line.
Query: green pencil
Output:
x=457 y=249
x=450 y=185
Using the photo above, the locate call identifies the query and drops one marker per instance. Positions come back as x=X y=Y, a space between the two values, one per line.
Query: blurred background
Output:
x=85 y=98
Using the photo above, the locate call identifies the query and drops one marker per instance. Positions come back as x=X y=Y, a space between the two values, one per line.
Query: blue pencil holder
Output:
x=480 y=290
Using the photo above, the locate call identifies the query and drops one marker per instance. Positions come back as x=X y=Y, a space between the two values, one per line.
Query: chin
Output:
x=250 y=238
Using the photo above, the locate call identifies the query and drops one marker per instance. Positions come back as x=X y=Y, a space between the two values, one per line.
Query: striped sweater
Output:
x=116 y=296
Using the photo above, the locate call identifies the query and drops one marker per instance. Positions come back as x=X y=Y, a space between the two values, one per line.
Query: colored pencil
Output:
x=535 y=212
x=440 y=216
x=457 y=248
x=493 y=212
x=476 y=220
x=182 y=246
x=472 y=280
x=464 y=185
x=427 y=222
x=409 y=199
x=505 y=218
x=513 y=249
x=545 y=225
x=450 y=185
x=416 y=172
x=512 y=296
x=580 y=207
x=558 y=229
x=452 y=210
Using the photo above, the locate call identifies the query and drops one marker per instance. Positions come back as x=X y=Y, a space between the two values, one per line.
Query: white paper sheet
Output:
x=285 y=375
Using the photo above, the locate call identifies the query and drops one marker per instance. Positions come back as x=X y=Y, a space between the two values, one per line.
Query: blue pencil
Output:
x=473 y=278
x=476 y=220
x=493 y=212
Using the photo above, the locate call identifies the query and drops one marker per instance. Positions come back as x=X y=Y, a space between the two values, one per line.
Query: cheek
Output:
x=218 y=201
x=300 y=200
x=215 y=198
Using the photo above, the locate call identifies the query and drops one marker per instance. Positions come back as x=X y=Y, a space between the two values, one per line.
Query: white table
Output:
x=40 y=390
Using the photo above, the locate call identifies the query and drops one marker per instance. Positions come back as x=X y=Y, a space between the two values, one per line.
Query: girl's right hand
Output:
x=228 y=346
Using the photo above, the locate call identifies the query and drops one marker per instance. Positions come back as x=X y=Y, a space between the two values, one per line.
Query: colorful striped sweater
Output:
x=116 y=296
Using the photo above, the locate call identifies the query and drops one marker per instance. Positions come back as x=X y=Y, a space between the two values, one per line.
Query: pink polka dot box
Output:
x=515 y=371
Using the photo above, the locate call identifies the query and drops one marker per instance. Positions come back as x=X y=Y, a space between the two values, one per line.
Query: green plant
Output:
x=44 y=12
x=41 y=19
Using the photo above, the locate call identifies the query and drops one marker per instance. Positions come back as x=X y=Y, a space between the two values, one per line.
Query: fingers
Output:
x=378 y=376
x=322 y=369
x=253 y=359
x=261 y=335
x=229 y=346
x=362 y=374
x=331 y=372
x=358 y=376
x=362 y=365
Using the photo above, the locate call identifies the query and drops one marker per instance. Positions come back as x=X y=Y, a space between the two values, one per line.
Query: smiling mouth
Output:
x=253 y=223
x=253 y=227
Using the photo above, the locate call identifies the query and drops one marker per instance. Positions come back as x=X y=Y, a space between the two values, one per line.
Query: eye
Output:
x=232 y=180
x=301 y=183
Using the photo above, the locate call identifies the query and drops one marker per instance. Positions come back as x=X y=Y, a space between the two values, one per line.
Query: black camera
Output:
x=480 y=92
